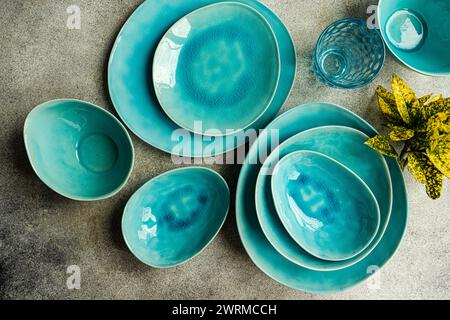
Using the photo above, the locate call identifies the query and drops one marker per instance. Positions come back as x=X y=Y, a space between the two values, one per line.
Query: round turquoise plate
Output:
x=259 y=248
x=325 y=207
x=175 y=215
x=130 y=78
x=345 y=145
x=216 y=70
x=78 y=149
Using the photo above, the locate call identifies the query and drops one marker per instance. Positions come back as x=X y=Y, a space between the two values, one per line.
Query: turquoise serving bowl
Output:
x=78 y=149
x=418 y=33
x=131 y=87
x=345 y=145
x=264 y=255
x=174 y=216
x=325 y=207
x=208 y=69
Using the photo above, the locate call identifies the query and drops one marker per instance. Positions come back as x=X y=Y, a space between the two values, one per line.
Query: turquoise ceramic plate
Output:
x=259 y=248
x=174 y=216
x=78 y=149
x=324 y=206
x=418 y=33
x=207 y=69
x=345 y=145
x=130 y=83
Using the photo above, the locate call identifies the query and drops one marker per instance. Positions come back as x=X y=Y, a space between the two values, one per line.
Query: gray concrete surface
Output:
x=42 y=233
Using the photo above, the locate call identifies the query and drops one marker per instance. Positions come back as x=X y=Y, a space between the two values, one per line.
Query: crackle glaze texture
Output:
x=219 y=65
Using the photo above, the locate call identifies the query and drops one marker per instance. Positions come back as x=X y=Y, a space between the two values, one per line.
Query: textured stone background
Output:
x=42 y=233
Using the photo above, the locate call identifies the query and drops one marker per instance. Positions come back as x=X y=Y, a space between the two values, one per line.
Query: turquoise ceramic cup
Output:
x=174 y=216
x=325 y=207
x=216 y=71
x=78 y=149
x=417 y=32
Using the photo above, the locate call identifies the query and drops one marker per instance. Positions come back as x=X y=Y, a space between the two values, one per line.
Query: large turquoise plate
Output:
x=259 y=248
x=130 y=81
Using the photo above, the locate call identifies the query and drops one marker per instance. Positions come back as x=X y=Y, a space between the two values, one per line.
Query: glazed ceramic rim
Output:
x=274 y=89
x=241 y=181
x=373 y=244
x=345 y=168
x=364 y=23
x=388 y=44
x=190 y=155
x=130 y=247
x=90 y=105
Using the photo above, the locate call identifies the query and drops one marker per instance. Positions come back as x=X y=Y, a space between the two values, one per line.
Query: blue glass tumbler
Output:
x=348 y=54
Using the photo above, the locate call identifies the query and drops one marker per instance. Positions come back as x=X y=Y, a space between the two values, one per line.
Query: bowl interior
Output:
x=78 y=149
x=216 y=70
x=175 y=215
x=418 y=33
x=325 y=207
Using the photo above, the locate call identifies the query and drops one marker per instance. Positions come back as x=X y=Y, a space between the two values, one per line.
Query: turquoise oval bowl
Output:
x=264 y=255
x=215 y=63
x=325 y=207
x=131 y=87
x=175 y=215
x=345 y=145
x=417 y=32
x=78 y=149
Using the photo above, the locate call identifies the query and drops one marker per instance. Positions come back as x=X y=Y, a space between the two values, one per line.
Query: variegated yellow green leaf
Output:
x=439 y=153
x=425 y=172
x=416 y=165
x=438 y=124
x=425 y=99
x=386 y=102
x=435 y=181
x=381 y=144
x=419 y=142
x=434 y=99
x=399 y=133
x=434 y=106
x=407 y=102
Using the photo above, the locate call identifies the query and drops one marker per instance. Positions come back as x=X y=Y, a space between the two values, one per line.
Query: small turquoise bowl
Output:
x=417 y=32
x=78 y=149
x=216 y=70
x=174 y=216
x=326 y=208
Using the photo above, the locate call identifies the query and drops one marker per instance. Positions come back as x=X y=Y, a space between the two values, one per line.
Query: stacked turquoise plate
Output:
x=320 y=173
x=179 y=63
